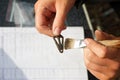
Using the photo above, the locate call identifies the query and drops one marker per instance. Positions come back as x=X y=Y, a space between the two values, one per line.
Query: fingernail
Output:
x=86 y=41
x=56 y=31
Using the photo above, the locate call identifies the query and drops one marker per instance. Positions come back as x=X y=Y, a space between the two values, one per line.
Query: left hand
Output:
x=50 y=15
x=103 y=62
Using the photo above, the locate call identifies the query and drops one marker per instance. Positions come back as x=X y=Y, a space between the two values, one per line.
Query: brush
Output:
x=71 y=43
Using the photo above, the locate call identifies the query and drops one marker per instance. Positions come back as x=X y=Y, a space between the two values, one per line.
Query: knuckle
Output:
x=91 y=66
x=117 y=66
x=87 y=63
x=40 y=29
x=114 y=72
x=112 y=76
x=35 y=5
x=104 y=52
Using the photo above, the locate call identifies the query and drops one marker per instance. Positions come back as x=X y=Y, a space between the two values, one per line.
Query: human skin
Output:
x=103 y=62
x=50 y=15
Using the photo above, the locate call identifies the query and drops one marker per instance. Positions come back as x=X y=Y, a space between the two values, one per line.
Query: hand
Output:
x=50 y=15
x=103 y=62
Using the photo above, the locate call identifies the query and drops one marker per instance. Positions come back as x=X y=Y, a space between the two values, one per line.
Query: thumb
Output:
x=100 y=50
x=59 y=22
x=95 y=47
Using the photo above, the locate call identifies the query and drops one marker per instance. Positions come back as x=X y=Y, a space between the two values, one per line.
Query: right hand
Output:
x=102 y=61
x=50 y=15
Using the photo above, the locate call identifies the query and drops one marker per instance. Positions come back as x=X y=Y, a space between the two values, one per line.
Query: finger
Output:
x=59 y=22
x=92 y=58
x=102 y=35
x=45 y=31
x=100 y=50
x=101 y=71
x=95 y=47
x=43 y=21
x=99 y=75
x=93 y=65
x=105 y=75
x=100 y=65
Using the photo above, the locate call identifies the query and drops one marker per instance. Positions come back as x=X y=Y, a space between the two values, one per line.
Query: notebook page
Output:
x=27 y=55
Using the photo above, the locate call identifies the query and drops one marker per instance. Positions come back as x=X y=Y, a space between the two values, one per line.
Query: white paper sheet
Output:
x=27 y=55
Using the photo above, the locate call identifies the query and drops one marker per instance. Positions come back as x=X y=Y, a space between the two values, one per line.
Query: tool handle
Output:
x=111 y=43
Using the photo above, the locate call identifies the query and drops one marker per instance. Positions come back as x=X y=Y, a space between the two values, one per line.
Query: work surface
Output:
x=27 y=55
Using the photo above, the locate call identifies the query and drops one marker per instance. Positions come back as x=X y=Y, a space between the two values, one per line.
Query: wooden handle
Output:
x=111 y=43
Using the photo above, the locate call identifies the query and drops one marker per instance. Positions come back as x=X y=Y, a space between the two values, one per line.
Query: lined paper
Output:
x=26 y=54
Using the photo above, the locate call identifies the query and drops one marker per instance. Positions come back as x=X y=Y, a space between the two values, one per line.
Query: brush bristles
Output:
x=69 y=43
x=76 y=43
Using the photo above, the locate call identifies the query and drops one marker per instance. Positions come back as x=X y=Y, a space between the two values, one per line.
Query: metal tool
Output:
x=59 y=41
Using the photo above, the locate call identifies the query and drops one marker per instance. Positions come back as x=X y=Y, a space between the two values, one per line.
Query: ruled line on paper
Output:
x=28 y=55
